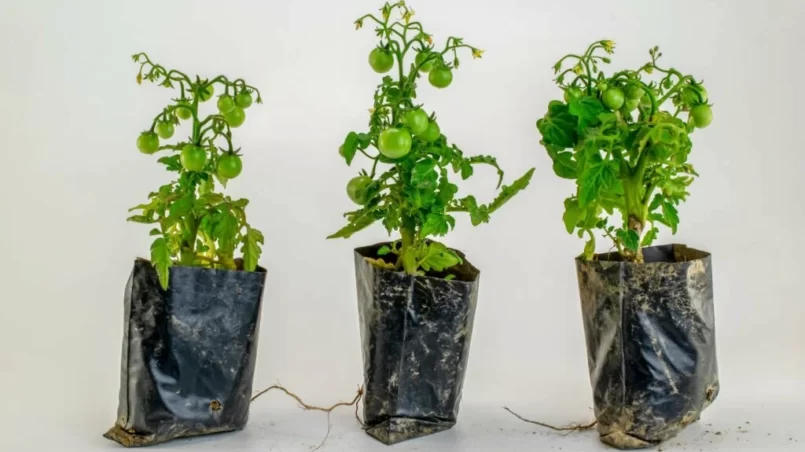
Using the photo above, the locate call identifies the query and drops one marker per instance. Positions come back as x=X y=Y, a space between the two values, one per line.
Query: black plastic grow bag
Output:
x=188 y=353
x=415 y=332
x=650 y=341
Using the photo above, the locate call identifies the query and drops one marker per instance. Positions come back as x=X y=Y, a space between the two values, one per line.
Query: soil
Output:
x=658 y=254
x=464 y=271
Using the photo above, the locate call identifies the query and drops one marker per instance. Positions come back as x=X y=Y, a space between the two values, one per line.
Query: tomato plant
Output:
x=193 y=224
x=627 y=151
x=413 y=194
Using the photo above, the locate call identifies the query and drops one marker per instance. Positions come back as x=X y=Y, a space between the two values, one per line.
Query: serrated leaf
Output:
x=361 y=221
x=424 y=175
x=224 y=231
x=183 y=206
x=629 y=238
x=671 y=215
x=508 y=192
x=161 y=260
x=564 y=166
x=558 y=126
x=154 y=232
x=486 y=160
x=251 y=249
x=594 y=178
x=586 y=109
x=650 y=237
x=438 y=258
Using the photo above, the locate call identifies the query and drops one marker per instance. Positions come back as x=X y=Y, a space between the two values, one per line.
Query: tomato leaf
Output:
x=558 y=127
x=573 y=214
x=251 y=248
x=361 y=220
x=508 y=192
x=161 y=260
x=591 y=182
x=586 y=109
x=225 y=228
x=350 y=147
x=671 y=215
x=629 y=238
x=438 y=258
x=650 y=237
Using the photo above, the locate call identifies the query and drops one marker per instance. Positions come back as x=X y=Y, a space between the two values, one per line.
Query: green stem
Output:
x=676 y=87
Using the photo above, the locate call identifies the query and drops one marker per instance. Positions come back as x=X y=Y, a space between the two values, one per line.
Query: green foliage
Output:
x=414 y=195
x=632 y=160
x=195 y=225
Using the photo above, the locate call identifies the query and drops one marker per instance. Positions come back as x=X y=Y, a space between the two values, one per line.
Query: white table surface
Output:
x=738 y=421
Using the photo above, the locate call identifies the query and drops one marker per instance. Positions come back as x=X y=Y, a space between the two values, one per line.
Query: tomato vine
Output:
x=414 y=195
x=197 y=226
x=627 y=151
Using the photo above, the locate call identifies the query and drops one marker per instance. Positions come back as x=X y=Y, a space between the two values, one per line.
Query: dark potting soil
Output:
x=659 y=254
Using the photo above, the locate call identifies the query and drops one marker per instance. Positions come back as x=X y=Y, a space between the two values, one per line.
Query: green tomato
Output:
x=193 y=158
x=230 y=166
x=645 y=101
x=631 y=104
x=381 y=60
x=432 y=133
x=206 y=93
x=634 y=92
x=602 y=85
x=148 y=142
x=694 y=95
x=244 y=99
x=226 y=103
x=440 y=77
x=395 y=143
x=574 y=92
x=421 y=57
x=702 y=115
x=165 y=129
x=235 y=117
x=341 y=150
x=416 y=121
x=613 y=98
x=184 y=113
x=357 y=189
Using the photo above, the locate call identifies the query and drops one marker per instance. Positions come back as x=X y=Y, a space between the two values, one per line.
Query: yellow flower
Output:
x=578 y=69
x=477 y=53
x=429 y=39
x=650 y=70
x=609 y=46
x=358 y=24
x=385 y=14
x=408 y=15
x=140 y=78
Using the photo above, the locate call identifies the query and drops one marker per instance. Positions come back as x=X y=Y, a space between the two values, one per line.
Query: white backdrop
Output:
x=70 y=113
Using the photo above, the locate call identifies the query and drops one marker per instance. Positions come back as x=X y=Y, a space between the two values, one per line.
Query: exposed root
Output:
x=326 y=435
x=569 y=429
x=307 y=407
x=358 y=418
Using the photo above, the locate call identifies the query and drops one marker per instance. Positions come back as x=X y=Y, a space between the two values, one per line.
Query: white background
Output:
x=70 y=113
